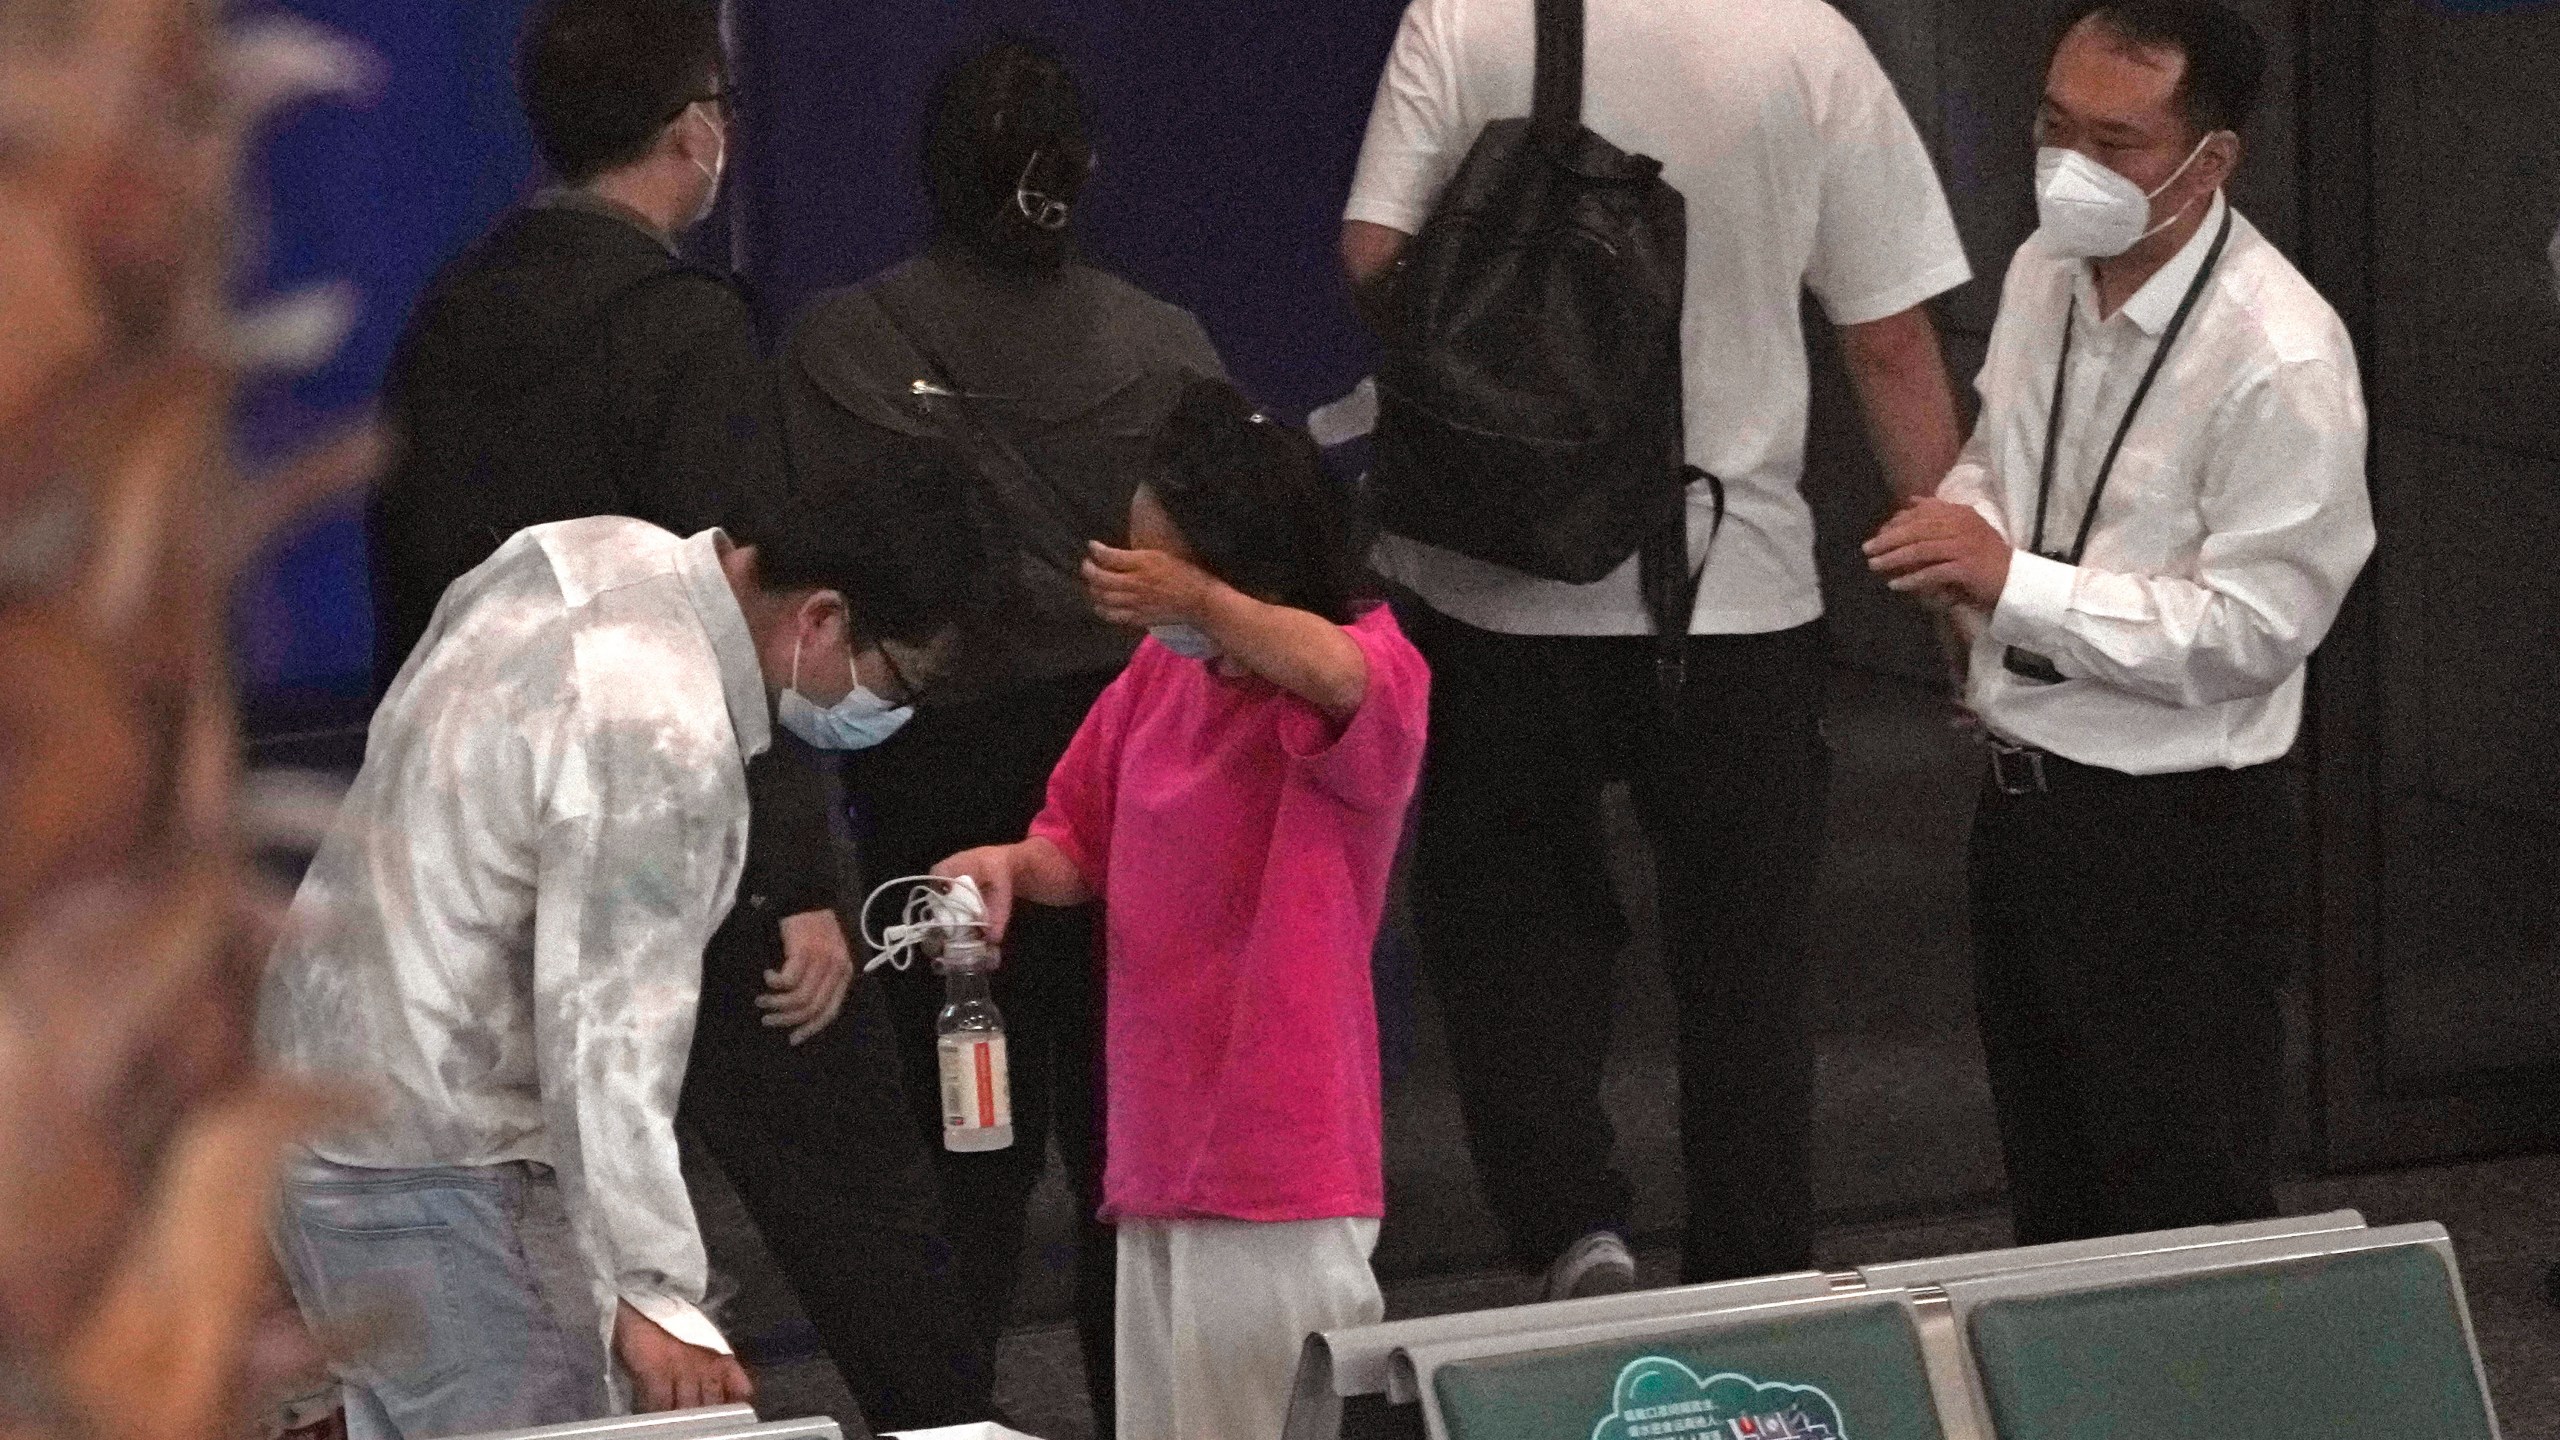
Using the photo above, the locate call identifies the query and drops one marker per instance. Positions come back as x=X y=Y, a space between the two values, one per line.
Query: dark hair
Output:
x=905 y=558
x=1255 y=501
x=1006 y=120
x=600 y=78
x=2226 y=59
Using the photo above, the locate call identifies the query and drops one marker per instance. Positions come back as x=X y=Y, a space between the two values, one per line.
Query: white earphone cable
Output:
x=938 y=909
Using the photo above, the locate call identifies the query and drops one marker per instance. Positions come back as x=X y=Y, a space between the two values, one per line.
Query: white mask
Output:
x=719 y=165
x=2089 y=212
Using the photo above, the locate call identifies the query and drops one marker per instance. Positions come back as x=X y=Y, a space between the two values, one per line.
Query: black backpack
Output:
x=1530 y=402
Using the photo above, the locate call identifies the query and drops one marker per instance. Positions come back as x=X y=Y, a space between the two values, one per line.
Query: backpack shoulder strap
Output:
x=1671 y=584
x=1558 y=109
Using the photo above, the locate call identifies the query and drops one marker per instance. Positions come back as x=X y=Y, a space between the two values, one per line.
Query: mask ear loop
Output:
x=2172 y=180
x=720 y=160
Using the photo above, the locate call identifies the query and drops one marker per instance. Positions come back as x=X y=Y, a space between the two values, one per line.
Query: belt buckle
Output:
x=2018 y=769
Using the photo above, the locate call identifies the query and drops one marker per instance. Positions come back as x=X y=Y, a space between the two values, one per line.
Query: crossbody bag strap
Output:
x=998 y=459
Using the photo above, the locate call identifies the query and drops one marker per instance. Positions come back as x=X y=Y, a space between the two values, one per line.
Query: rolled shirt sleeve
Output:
x=2289 y=525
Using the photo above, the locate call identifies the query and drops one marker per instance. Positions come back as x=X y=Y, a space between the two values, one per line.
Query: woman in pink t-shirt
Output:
x=1234 y=800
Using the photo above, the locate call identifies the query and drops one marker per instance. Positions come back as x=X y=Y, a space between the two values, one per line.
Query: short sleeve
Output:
x=1373 y=760
x=1417 y=134
x=1885 y=240
x=1084 y=789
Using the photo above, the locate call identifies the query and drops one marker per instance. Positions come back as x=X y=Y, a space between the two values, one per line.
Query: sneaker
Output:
x=1597 y=1264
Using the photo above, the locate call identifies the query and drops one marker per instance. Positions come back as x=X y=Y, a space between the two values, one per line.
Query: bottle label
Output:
x=976 y=1094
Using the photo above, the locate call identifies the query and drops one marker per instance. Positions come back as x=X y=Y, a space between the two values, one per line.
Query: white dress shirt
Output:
x=1801 y=171
x=2234 y=523
x=500 y=941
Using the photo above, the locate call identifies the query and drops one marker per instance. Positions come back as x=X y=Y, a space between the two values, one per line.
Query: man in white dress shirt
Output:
x=2153 y=527
x=1802 y=173
x=500 y=943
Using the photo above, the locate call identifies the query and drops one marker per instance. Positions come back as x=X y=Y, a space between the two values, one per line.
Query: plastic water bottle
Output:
x=977 y=1096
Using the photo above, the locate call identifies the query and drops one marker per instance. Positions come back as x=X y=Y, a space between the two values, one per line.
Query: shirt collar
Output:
x=2156 y=303
x=741 y=673
x=569 y=197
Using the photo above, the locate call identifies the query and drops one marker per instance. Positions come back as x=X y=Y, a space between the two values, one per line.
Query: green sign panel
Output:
x=1659 y=1397
x=1844 y=1373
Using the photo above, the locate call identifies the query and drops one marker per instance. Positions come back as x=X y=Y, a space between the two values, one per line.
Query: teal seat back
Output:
x=2346 y=1347
x=1850 y=1372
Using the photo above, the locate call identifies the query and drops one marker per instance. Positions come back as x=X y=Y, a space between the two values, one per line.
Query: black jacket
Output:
x=1075 y=368
x=566 y=365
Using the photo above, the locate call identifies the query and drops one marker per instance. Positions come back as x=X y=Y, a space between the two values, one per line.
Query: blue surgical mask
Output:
x=1188 y=641
x=857 y=722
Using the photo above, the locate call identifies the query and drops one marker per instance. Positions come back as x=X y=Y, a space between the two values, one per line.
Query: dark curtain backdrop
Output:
x=1227 y=131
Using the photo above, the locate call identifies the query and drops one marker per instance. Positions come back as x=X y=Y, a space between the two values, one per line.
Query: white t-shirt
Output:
x=1801 y=170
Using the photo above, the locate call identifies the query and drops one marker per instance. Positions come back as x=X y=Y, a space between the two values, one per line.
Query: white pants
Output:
x=1212 y=1314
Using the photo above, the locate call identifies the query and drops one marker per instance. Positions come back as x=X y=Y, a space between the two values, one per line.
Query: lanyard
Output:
x=2061 y=374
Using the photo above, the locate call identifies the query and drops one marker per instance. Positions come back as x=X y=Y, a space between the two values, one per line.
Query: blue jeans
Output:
x=463 y=1288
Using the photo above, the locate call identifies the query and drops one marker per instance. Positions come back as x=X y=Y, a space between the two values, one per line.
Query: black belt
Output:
x=2020 y=770
x=2025 y=770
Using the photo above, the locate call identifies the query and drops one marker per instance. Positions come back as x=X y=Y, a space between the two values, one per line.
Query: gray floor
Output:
x=1909 y=1164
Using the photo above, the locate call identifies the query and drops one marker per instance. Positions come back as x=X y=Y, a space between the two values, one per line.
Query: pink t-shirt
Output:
x=1241 y=841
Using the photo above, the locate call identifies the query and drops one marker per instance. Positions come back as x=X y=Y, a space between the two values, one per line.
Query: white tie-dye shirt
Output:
x=501 y=939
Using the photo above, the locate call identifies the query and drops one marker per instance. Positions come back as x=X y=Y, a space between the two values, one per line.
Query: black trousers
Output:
x=952 y=780
x=817 y=1143
x=1520 y=931
x=2129 y=936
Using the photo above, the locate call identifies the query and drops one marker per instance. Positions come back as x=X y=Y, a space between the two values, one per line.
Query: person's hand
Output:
x=805 y=995
x=992 y=867
x=668 y=1374
x=1942 y=553
x=1139 y=588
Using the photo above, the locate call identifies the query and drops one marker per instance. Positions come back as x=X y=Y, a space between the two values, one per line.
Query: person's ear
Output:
x=693 y=135
x=2221 y=158
x=824 y=620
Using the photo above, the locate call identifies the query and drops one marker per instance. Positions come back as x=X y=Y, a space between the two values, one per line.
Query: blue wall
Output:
x=377 y=194
x=1226 y=129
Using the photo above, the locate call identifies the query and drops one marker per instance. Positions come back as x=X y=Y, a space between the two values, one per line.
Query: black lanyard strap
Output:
x=2061 y=375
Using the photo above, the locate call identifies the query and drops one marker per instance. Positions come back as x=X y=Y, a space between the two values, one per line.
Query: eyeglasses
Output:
x=1045 y=211
x=909 y=692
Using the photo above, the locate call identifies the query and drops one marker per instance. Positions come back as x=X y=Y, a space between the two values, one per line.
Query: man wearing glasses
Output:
x=572 y=363
x=499 y=947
